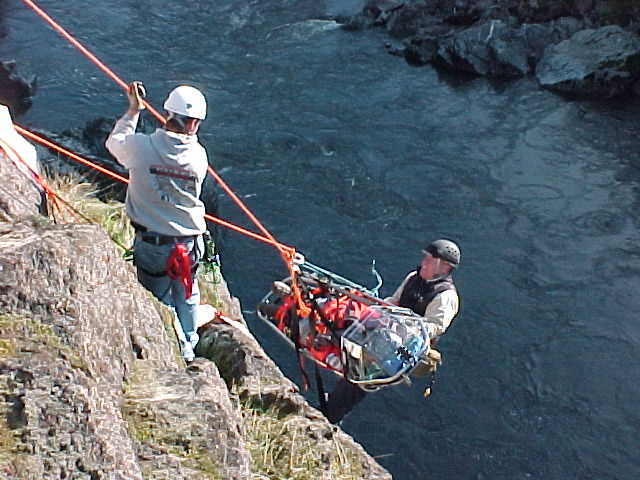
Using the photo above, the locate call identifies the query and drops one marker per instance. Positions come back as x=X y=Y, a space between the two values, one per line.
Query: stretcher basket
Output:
x=383 y=346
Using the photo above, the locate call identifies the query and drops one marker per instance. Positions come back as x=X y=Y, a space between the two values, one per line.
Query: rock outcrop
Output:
x=19 y=197
x=87 y=380
x=508 y=38
x=15 y=90
x=91 y=383
x=601 y=63
x=259 y=382
x=492 y=48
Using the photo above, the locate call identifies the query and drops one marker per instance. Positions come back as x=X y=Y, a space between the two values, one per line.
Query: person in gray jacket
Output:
x=166 y=172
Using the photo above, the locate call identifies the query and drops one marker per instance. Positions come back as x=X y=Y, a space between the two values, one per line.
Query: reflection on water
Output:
x=349 y=154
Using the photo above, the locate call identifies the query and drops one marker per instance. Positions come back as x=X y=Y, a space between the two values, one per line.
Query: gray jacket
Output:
x=166 y=171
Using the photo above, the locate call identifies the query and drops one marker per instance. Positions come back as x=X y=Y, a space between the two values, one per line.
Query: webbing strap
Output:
x=294 y=334
x=322 y=399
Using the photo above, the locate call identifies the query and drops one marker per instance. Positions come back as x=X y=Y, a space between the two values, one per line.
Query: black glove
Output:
x=135 y=95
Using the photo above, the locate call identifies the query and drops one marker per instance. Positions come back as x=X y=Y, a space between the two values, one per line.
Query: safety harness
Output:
x=179 y=267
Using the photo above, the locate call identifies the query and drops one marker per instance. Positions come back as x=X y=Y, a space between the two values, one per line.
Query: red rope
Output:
x=179 y=268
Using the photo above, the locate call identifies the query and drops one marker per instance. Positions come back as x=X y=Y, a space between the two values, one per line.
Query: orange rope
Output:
x=69 y=154
x=54 y=198
x=287 y=255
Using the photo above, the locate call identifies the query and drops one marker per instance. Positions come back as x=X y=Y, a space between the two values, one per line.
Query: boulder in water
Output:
x=16 y=90
x=600 y=63
x=492 y=48
x=409 y=20
x=539 y=36
x=374 y=13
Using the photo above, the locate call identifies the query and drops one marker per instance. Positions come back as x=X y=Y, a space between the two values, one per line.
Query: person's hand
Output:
x=135 y=95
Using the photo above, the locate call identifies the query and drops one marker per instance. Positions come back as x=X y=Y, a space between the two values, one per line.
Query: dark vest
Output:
x=417 y=293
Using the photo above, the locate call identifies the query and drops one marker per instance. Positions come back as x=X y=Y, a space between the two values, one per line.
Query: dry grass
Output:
x=288 y=449
x=83 y=198
x=210 y=283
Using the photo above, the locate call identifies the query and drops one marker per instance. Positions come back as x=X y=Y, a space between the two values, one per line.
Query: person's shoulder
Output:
x=448 y=297
x=449 y=293
x=201 y=148
x=202 y=151
x=411 y=274
x=157 y=133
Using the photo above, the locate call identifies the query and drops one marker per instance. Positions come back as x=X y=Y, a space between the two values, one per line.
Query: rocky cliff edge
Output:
x=91 y=386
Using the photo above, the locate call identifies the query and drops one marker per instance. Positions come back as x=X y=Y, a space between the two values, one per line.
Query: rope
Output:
x=54 y=198
x=286 y=254
x=69 y=154
x=51 y=195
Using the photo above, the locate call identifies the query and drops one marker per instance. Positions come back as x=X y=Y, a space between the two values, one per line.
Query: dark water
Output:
x=349 y=154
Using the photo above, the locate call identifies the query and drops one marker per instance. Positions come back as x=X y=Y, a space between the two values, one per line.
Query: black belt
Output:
x=137 y=227
x=157 y=239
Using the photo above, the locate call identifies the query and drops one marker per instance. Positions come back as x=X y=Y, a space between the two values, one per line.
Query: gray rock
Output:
x=257 y=380
x=374 y=13
x=16 y=89
x=19 y=195
x=169 y=413
x=421 y=50
x=539 y=36
x=408 y=20
x=467 y=12
x=381 y=9
x=492 y=48
x=91 y=383
x=91 y=386
x=599 y=63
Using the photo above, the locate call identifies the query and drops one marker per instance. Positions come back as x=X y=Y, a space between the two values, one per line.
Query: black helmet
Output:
x=446 y=250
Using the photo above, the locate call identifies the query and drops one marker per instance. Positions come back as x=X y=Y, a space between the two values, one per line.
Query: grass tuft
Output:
x=287 y=449
x=83 y=197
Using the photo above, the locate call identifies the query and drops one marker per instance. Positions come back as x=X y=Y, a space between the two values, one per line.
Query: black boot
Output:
x=342 y=399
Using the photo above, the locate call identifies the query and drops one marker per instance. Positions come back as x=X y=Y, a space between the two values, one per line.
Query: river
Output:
x=349 y=154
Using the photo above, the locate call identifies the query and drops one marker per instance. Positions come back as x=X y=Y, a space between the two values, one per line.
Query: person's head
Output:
x=186 y=107
x=441 y=257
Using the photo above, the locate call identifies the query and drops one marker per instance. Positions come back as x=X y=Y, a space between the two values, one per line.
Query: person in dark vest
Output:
x=428 y=291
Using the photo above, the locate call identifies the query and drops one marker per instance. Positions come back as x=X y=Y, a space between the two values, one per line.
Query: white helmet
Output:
x=187 y=101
